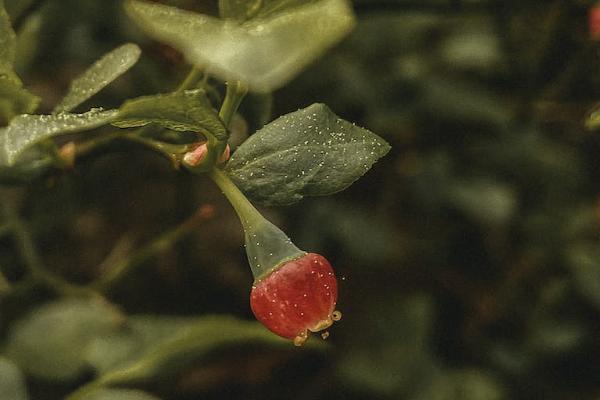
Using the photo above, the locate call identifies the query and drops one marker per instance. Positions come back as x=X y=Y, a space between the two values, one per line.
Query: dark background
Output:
x=468 y=257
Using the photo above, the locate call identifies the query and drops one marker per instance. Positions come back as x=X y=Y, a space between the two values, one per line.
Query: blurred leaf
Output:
x=310 y=152
x=486 y=201
x=593 y=121
x=51 y=341
x=151 y=347
x=25 y=130
x=365 y=238
x=180 y=111
x=100 y=74
x=396 y=357
x=554 y=336
x=473 y=47
x=14 y=99
x=28 y=42
x=463 y=101
x=584 y=260
x=16 y=7
x=470 y=384
x=118 y=394
x=7 y=41
x=30 y=166
x=265 y=53
x=12 y=383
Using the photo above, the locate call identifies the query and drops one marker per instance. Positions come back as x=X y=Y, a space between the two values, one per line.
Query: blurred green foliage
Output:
x=469 y=257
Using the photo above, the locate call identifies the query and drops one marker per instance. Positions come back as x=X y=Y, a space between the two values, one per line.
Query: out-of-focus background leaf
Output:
x=468 y=257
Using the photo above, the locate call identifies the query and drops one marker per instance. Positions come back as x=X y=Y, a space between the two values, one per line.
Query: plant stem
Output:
x=247 y=213
x=33 y=260
x=158 y=245
x=233 y=98
x=190 y=80
x=267 y=246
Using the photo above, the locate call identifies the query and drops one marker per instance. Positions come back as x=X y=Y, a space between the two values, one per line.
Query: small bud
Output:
x=196 y=156
x=297 y=298
x=225 y=156
x=67 y=153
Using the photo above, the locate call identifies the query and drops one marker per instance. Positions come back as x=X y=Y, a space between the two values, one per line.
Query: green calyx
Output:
x=267 y=246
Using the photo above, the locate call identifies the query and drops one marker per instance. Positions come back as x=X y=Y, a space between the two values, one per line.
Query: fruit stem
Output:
x=267 y=247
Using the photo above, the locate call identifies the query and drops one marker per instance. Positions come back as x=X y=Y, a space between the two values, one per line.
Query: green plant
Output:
x=254 y=47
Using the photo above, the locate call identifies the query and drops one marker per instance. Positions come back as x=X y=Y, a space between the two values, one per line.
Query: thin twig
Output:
x=32 y=259
x=165 y=241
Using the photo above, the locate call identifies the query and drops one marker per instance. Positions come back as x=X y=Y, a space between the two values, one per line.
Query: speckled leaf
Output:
x=99 y=75
x=25 y=130
x=118 y=394
x=49 y=343
x=310 y=152
x=265 y=53
x=12 y=382
x=180 y=111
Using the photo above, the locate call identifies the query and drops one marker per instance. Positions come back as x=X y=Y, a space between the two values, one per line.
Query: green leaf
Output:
x=399 y=338
x=584 y=261
x=484 y=200
x=99 y=75
x=264 y=53
x=180 y=111
x=12 y=383
x=310 y=152
x=50 y=342
x=463 y=384
x=25 y=130
x=150 y=347
x=118 y=394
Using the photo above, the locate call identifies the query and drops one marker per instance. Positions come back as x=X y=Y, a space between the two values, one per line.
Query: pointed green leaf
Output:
x=12 y=382
x=26 y=130
x=150 y=347
x=180 y=111
x=118 y=394
x=265 y=53
x=310 y=152
x=50 y=342
x=100 y=74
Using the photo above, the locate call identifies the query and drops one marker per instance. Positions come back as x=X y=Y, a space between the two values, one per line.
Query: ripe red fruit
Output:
x=294 y=292
x=297 y=297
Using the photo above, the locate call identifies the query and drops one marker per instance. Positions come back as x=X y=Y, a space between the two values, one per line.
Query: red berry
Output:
x=297 y=297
